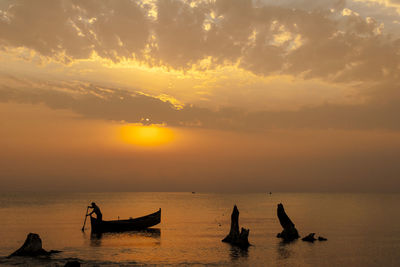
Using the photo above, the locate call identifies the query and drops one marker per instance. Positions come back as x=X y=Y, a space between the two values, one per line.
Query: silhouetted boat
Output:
x=126 y=225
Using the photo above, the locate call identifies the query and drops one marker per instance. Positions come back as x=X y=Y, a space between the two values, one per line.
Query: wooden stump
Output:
x=235 y=237
x=289 y=232
x=32 y=247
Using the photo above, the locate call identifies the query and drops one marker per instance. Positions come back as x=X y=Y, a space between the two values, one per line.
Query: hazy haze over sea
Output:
x=362 y=229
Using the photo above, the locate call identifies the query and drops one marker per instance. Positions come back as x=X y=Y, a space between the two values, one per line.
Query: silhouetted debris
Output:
x=234 y=237
x=320 y=238
x=289 y=232
x=309 y=238
x=72 y=264
x=32 y=247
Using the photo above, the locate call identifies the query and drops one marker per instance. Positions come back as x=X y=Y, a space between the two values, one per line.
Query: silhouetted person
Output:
x=96 y=210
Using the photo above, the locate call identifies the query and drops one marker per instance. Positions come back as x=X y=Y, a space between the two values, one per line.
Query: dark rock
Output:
x=32 y=247
x=234 y=237
x=289 y=232
x=320 y=238
x=72 y=264
x=309 y=238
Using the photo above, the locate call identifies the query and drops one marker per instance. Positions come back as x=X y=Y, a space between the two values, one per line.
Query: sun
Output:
x=151 y=135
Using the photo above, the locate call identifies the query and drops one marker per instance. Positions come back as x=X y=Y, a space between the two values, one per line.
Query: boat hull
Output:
x=126 y=225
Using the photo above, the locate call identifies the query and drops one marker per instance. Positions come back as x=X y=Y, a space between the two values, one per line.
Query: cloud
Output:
x=74 y=29
x=86 y=99
x=313 y=41
x=331 y=41
x=105 y=103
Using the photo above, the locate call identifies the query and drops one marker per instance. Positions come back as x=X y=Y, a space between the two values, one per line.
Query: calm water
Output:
x=362 y=229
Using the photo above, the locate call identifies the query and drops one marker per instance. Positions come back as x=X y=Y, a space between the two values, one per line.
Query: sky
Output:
x=209 y=95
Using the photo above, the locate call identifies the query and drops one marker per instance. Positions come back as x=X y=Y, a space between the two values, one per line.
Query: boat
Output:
x=132 y=224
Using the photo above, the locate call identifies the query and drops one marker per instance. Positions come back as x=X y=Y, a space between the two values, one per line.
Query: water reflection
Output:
x=238 y=253
x=97 y=239
x=285 y=250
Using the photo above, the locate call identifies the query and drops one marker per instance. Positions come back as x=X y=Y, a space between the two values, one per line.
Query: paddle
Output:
x=83 y=227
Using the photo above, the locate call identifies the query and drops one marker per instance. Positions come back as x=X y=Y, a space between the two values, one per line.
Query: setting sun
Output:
x=146 y=135
x=145 y=122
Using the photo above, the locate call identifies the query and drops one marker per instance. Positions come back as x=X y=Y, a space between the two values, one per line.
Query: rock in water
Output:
x=309 y=238
x=234 y=237
x=72 y=264
x=289 y=232
x=320 y=238
x=32 y=247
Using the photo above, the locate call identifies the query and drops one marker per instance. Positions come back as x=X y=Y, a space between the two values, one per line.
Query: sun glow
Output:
x=151 y=135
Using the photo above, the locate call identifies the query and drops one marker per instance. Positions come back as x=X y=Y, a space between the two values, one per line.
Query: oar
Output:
x=83 y=227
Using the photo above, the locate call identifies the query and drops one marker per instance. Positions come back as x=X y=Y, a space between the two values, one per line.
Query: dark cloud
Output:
x=264 y=39
x=98 y=102
x=74 y=29
x=88 y=100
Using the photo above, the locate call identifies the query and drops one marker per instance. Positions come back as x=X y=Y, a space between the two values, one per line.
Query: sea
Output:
x=362 y=229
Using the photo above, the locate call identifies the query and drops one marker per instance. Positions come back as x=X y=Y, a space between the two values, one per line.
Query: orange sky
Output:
x=200 y=95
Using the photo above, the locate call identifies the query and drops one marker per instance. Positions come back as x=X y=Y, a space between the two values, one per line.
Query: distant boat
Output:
x=139 y=223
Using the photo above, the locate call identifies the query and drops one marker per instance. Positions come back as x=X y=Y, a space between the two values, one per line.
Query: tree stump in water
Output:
x=234 y=237
x=289 y=232
x=32 y=247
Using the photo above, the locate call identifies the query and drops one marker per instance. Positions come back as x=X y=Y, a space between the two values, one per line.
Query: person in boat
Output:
x=96 y=210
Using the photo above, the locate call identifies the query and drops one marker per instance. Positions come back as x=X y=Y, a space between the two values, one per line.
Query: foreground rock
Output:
x=32 y=247
x=309 y=238
x=234 y=237
x=320 y=238
x=289 y=232
x=72 y=264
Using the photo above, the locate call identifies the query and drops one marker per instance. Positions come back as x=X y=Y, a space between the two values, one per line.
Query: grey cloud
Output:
x=77 y=28
x=336 y=47
x=88 y=100
x=97 y=102
x=307 y=4
x=179 y=29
